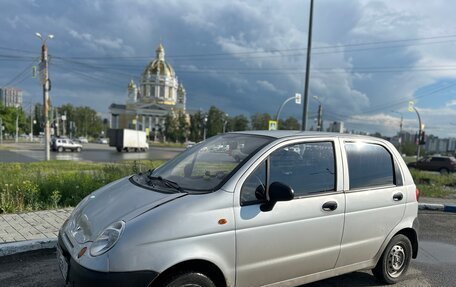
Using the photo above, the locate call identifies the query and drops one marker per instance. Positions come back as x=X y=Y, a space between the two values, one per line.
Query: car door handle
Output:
x=398 y=196
x=330 y=206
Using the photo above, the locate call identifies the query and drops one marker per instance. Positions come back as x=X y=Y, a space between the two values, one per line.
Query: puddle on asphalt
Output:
x=436 y=252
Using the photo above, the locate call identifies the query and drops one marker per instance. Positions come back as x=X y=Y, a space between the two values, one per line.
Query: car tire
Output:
x=60 y=149
x=443 y=171
x=119 y=149
x=190 y=278
x=78 y=149
x=395 y=260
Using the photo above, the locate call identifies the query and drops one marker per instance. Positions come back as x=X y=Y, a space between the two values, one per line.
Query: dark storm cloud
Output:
x=255 y=74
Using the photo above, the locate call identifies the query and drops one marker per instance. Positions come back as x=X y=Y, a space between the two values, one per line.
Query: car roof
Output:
x=310 y=134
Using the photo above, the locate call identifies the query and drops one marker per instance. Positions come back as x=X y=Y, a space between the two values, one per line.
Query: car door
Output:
x=375 y=199
x=65 y=144
x=297 y=237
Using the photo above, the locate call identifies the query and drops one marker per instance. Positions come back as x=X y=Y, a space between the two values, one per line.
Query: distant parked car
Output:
x=102 y=141
x=63 y=144
x=189 y=144
x=83 y=140
x=442 y=164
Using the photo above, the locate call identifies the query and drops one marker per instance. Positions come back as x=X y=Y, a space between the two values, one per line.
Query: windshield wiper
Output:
x=166 y=182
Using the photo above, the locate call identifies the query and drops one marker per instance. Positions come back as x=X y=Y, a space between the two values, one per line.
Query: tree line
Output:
x=79 y=121
x=179 y=127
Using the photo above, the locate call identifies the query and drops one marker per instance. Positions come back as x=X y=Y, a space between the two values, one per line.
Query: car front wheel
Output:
x=189 y=279
x=395 y=260
x=60 y=149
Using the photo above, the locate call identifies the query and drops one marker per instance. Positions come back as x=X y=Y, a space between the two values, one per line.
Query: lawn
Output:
x=55 y=184
x=432 y=184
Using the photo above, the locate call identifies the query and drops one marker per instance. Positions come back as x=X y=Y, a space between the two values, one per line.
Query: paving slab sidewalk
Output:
x=27 y=231
x=38 y=226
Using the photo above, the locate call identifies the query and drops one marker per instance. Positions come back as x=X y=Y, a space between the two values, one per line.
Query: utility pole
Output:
x=1 y=131
x=31 y=122
x=320 y=114
x=306 y=85
x=57 y=123
x=17 y=126
x=45 y=81
x=64 y=118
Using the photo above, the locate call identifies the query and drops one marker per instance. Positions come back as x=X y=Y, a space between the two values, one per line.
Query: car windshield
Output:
x=207 y=165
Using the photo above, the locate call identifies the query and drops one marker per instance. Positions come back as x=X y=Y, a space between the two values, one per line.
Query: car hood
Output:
x=120 y=200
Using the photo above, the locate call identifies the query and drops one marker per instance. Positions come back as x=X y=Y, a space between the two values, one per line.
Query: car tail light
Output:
x=417 y=194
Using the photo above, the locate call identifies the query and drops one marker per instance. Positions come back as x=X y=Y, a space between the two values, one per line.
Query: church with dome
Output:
x=158 y=94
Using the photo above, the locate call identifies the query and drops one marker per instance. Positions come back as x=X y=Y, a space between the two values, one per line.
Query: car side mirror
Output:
x=277 y=192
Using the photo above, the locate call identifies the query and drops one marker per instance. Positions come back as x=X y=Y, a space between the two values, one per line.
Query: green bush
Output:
x=55 y=184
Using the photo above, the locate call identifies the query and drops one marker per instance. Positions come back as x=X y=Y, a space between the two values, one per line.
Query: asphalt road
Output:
x=26 y=152
x=434 y=266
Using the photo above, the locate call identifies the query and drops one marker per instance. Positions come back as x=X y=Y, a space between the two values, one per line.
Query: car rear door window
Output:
x=369 y=165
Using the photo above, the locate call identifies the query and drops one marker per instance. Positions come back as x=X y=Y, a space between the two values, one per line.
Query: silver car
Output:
x=299 y=207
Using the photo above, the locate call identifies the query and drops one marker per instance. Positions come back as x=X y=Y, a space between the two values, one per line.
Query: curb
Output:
x=11 y=248
x=26 y=245
x=437 y=207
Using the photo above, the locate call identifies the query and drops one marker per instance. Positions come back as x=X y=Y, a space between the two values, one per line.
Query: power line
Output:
x=18 y=50
x=337 y=46
x=22 y=73
x=397 y=103
x=90 y=77
x=265 y=71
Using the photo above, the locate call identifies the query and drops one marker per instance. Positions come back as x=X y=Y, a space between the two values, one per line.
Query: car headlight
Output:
x=107 y=239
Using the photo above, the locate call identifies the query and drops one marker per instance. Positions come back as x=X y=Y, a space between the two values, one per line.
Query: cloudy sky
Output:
x=369 y=58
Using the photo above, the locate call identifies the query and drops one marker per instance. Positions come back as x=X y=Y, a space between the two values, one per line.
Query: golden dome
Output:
x=159 y=65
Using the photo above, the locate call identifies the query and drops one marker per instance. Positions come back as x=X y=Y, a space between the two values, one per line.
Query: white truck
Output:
x=128 y=140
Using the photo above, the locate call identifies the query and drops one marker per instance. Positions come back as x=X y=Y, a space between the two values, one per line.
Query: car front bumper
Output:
x=78 y=275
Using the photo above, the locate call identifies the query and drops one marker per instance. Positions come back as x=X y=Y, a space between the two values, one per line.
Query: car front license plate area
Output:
x=63 y=263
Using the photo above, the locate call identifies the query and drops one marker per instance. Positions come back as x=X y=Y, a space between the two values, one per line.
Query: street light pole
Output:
x=45 y=81
x=296 y=97
x=400 y=131
x=280 y=109
x=419 y=133
x=306 y=85
x=205 y=125
x=225 y=122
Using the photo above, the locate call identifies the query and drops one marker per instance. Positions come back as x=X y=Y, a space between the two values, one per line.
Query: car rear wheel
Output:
x=60 y=149
x=395 y=260
x=78 y=149
x=188 y=279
